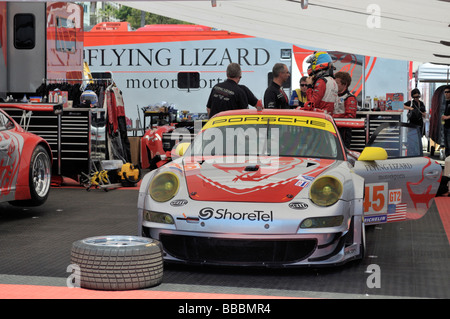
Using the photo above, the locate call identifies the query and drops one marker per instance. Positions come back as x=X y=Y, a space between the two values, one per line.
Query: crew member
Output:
x=321 y=92
x=227 y=95
x=252 y=99
x=275 y=97
x=416 y=110
x=346 y=105
x=298 y=97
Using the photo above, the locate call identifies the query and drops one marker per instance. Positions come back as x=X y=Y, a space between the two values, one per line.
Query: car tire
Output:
x=118 y=262
x=40 y=175
x=40 y=178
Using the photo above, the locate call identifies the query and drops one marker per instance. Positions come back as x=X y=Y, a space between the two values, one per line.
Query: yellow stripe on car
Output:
x=317 y=123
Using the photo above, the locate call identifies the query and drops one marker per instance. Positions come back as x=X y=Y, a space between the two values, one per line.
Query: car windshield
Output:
x=266 y=140
x=5 y=122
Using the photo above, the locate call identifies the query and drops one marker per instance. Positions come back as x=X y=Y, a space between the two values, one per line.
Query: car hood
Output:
x=269 y=179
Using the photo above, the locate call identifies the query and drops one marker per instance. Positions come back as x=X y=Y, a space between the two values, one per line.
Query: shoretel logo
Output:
x=221 y=213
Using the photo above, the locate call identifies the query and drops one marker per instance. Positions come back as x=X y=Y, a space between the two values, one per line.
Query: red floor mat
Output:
x=443 y=206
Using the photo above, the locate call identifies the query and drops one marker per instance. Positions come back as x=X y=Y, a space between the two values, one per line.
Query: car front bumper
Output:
x=312 y=249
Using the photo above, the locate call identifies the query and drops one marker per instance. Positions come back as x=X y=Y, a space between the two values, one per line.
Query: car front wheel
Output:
x=40 y=176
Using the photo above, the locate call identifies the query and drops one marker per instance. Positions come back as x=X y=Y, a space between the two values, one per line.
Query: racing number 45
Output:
x=375 y=199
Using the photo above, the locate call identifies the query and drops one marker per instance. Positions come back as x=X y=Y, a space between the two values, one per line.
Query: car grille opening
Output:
x=248 y=251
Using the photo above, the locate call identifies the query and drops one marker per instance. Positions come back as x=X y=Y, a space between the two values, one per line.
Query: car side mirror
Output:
x=181 y=149
x=373 y=154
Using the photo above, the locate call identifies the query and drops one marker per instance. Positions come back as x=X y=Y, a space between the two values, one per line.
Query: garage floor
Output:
x=413 y=257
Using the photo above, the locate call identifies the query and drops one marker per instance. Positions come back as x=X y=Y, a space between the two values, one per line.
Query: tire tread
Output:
x=118 y=268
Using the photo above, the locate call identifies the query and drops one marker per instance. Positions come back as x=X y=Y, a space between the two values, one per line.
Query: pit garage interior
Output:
x=413 y=256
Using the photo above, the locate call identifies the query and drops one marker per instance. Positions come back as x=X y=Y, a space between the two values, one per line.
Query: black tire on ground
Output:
x=118 y=262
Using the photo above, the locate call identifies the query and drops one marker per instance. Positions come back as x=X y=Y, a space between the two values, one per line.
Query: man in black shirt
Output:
x=252 y=99
x=416 y=109
x=274 y=97
x=446 y=121
x=227 y=95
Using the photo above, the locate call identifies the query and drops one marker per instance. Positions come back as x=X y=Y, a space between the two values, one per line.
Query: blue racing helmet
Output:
x=320 y=61
x=89 y=97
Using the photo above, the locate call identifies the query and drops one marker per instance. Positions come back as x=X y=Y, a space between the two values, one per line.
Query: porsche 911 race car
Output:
x=278 y=188
x=25 y=165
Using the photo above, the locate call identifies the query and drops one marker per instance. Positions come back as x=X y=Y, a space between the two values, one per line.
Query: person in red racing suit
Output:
x=322 y=90
x=346 y=105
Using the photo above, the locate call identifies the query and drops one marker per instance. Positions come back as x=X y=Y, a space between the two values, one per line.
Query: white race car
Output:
x=278 y=188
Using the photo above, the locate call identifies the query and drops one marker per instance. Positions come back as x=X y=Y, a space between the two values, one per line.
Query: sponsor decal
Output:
x=139 y=56
x=298 y=205
x=178 y=202
x=375 y=219
x=317 y=123
x=376 y=198
x=393 y=177
x=388 y=167
x=395 y=196
x=382 y=205
x=304 y=180
x=225 y=214
x=396 y=212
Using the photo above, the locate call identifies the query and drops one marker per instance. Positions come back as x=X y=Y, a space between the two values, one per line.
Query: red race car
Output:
x=25 y=165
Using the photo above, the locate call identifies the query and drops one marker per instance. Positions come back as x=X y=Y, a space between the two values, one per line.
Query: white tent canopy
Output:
x=429 y=72
x=414 y=30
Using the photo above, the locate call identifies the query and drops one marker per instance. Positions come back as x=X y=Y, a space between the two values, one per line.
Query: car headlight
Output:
x=157 y=217
x=325 y=191
x=164 y=187
x=321 y=222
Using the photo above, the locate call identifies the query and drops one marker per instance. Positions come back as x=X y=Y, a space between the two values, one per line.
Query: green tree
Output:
x=108 y=12
x=133 y=16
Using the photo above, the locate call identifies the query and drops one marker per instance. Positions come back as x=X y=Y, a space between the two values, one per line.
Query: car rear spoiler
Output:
x=29 y=108
x=349 y=122
x=56 y=108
